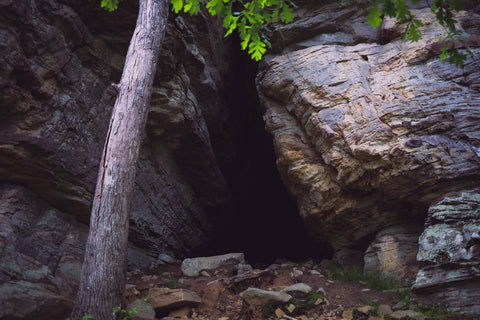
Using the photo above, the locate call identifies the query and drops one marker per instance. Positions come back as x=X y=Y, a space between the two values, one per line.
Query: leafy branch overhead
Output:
x=248 y=17
x=251 y=17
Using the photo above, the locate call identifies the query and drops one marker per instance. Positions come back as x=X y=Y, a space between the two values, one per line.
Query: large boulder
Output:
x=450 y=251
x=192 y=267
x=370 y=130
x=368 y=135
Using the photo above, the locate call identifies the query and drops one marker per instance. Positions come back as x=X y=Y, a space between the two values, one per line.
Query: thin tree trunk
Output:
x=103 y=274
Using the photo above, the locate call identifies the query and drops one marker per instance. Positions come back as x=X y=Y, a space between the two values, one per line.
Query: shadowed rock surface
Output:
x=394 y=251
x=58 y=60
x=450 y=249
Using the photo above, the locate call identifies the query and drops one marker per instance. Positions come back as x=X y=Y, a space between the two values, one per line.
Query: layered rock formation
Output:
x=393 y=252
x=368 y=135
x=58 y=60
x=450 y=249
x=370 y=130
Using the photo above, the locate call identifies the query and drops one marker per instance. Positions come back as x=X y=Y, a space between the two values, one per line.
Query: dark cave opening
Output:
x=265 y=223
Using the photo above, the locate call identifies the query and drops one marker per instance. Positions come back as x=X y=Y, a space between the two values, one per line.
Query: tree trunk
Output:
x=103 y=274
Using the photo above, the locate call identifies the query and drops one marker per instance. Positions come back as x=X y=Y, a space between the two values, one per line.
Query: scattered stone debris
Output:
x=231 y=291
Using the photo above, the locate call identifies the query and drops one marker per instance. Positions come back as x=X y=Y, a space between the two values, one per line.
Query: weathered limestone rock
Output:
x=38 y=246
x=393 y=253
x=409 y=314
x=258 y=297
x=57 y=62
x=450 y=248
x=162 y=299
x=368 y=135
x=32 y=300
x=298 y=288
x=191 y=267
x=58 y=59
x=369 y=131
x=69 y=270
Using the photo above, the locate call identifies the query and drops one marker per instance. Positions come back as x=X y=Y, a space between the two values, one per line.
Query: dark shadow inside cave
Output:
x=265 y=223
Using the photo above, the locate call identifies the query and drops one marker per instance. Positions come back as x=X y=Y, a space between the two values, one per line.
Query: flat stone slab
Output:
x=192 y=267
x=298 y=287
x=162 y=299
x=254 y=296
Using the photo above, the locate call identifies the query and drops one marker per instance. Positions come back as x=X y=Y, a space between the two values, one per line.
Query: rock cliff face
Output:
x=373 y=137
x=370 y=131
x=57 y=62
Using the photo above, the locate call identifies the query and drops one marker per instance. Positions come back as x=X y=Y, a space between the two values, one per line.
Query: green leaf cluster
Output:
x=110 y=5
x=249 y=18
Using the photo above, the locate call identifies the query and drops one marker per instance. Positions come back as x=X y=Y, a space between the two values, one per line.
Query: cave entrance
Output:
x=265 y=224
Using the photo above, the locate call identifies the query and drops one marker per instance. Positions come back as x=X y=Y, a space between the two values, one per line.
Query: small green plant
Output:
x=375 y=304
x=173 y=283
x=405 y=297
x=350 y=274
x=267 y=311
x=304 y=302
x=131 y=311
x=295 y=301
x=379 y=281
x=83 y=318
x=436 y=313
x=313 y=297
x=373 y=280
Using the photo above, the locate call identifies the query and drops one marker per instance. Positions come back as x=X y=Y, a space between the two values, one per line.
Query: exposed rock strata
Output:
x=450 y=250
x=368 y=135
x=58 y=60
x=369 y=132
x=393 y=252
x=56 y=101
x=33 y=239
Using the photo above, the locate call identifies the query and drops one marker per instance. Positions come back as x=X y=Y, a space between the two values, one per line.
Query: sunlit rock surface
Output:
x=369 y=135
x=369 y=131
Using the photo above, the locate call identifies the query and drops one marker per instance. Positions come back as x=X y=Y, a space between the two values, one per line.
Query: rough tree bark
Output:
x=103 y=274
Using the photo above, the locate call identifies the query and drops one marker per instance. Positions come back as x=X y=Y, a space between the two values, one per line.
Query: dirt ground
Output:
x=221 y=299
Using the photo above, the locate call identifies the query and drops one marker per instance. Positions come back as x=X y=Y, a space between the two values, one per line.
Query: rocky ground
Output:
x=229 y=289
